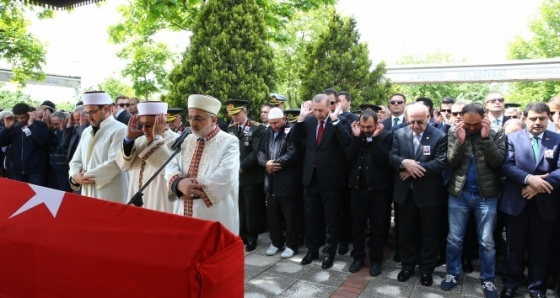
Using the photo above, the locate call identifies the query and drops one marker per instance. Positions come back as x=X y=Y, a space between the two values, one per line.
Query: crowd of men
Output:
x=458 y=176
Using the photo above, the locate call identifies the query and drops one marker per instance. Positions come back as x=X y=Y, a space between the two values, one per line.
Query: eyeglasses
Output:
x=419 y=122
x=90 y=113
x=446 y=111
x=455 y=114
x=396 y=102
x=514 y=116
x=147 y=125
x=122 y=105
x=494 y=100
x=333 y=102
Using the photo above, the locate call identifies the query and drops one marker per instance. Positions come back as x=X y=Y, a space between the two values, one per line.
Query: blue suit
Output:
x=529 y=222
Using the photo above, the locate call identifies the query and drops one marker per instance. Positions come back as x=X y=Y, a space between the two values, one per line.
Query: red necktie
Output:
x=320 y=132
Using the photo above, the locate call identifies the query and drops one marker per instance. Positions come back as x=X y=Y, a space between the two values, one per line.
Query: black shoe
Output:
x=537 y=295
x=404 y=275
x=467 y=266
x=426 y=279
x=309 y=257
x=375 y=269
x=507 y=293
x=328 y=260
x=251 y=245
x=397 y=258
x=356 y=266
x=342 y=249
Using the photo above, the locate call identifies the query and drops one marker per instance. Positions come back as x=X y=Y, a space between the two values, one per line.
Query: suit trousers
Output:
x=410 y=215
x=249 y=202
x=279 y=210
x=527 y=230
x=320 y=199
x=370 y=204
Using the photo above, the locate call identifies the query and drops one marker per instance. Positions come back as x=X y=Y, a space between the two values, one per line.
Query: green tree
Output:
x=147 y=68
x=9 y=98
x=545 y=43
x=142 y=19
x=228 y=56
x=23 y=51
x=465 y=91
x=337 y=59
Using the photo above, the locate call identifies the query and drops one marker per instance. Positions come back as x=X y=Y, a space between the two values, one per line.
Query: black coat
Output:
x=249 y=142
x=286 y=182
x=377 y=168
x=29 y=152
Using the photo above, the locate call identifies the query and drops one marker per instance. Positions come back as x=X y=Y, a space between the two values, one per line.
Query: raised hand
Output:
x=485 y=130
x=460 y=132
x=305 y=110
x=159 y=126
x=132 y=131
x=356 y=131
x=378 y=130
x=334 y=115
x=9 y=121
x=31 y=117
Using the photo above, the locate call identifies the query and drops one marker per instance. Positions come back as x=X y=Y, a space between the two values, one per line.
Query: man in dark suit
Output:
x=251 y=175
x=121 y=113
x=418 y=156
x=324 y=138
x=397 y=104
x=368 y=154
x=530 y=199
x=494 y=104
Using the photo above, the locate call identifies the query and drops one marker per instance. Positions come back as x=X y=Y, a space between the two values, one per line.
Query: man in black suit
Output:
x=397 y=103
x=324 y=179
x=251 y=175
x=418 y=156
x=368 y=154
x=494 y=104
x=121 y=113
x=530 y=200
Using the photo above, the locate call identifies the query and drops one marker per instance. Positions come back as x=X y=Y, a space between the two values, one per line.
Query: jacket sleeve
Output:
x=351 y=152
x=494 y=149
x=39 y=132
x=395 y=160
x=261 y=154
x=291 y=156
x=342 y=134
x=5 y=139
x=509 y=169
x=455 y=150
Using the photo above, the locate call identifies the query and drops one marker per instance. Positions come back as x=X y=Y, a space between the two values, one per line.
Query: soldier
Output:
x=278 y=100
x=175 y=120
x=250 y=134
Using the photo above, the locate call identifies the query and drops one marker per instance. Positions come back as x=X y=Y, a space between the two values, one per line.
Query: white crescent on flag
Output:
x=52 y=198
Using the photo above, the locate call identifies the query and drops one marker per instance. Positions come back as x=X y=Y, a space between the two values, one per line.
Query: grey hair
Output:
x=514 y=122
x=78 y=109
x=59 y=115
x=321 y=97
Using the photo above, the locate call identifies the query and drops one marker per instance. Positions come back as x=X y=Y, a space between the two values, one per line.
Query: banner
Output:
x=57 y=244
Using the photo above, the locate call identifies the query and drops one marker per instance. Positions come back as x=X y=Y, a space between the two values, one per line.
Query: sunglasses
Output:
x=552 y=113
x=396 y=102
x=446 y=111
x=514 y=117
x=495 y=100
x=419 y=122
x=147 y=125
x=333 y=102
x=122 y=105
x=455 y=114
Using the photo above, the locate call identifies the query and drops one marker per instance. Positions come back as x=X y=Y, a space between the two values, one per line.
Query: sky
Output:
x=77 y=42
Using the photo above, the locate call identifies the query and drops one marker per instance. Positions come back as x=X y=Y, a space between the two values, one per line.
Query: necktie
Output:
x=536 y=148
x=395 y=122
x=320 y=132
x=496 y=122
x=416 y=142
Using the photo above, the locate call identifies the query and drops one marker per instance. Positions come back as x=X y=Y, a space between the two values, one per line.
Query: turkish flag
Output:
x=56 y=244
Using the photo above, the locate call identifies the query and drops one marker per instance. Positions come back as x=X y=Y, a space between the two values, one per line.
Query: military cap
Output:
x=234 y=106
x=292 y=115
x=276 y=99
x=357 y=112
x=511 y=105
x=370 y=106
x=172 y=113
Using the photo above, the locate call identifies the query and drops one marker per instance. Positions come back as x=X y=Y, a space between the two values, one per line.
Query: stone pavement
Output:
x=271 y=276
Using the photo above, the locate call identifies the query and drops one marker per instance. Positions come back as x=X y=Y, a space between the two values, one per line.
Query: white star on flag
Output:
x=52 y=198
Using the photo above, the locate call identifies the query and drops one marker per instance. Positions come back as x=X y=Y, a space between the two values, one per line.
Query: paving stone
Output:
x=290 y=269
x=304 y=288
x=387 y=287
x=252 y=271
x=331 y=278
x=272 y=283
x=259 y=260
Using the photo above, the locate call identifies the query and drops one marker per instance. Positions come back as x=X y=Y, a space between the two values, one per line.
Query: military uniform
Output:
x=251 y=175
x=278 y=100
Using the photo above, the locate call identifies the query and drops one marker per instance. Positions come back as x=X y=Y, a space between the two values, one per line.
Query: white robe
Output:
x=219 y=172
x=96 y=155
x=144 y=160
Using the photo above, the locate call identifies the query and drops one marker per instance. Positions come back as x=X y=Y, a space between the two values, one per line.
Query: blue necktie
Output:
x=395 y=122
